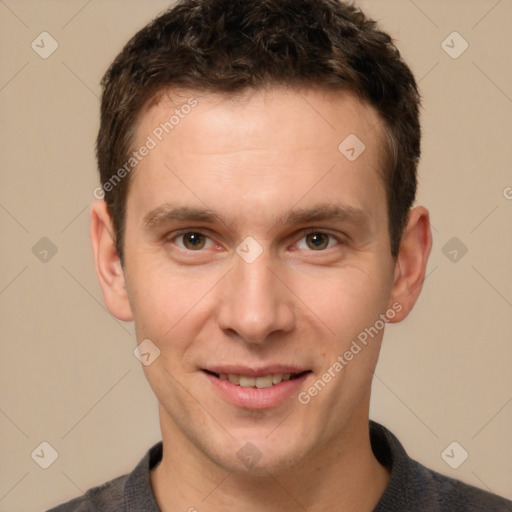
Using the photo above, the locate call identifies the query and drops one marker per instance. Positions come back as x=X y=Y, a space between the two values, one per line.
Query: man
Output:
x=258 y=164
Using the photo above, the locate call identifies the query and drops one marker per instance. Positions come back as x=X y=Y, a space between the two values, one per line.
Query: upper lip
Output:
x=251 y=371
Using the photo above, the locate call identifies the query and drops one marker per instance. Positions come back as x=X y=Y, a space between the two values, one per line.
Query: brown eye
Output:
x=317 y=241
x=193 y=241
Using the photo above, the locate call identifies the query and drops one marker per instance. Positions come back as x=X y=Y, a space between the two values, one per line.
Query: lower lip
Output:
x=255 y=398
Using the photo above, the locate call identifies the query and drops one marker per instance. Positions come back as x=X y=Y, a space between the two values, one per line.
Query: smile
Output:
x=262 y=382
x=262 y=388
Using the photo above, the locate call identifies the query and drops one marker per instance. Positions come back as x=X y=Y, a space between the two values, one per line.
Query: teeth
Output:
x=277 y=378
x=247 y=382
x=234 y=379
x=265 y=381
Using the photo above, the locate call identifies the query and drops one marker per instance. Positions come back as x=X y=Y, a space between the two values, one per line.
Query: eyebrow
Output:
x=323 y=212
x=333 y=212
x=168 y=213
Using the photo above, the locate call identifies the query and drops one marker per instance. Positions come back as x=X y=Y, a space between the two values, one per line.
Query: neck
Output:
x=343 y=475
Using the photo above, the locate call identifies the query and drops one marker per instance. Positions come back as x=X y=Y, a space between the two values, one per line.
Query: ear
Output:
x=107 y=262
x=411 y=263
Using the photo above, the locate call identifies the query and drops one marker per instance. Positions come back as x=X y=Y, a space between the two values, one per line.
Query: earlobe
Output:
x=107 y=263
x=411 y=262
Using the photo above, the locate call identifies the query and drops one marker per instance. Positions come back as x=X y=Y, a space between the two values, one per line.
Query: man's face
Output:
x=255 y=248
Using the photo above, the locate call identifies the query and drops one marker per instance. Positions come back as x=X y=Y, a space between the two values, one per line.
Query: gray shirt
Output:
x=412 y=486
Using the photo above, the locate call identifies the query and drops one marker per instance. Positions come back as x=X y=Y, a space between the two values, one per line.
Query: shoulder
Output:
x=413 y=486
x=449 y=494
x=128 y=492
x=107 y=497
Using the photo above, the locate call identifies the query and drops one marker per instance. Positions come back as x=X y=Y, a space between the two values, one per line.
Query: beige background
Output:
x=68 y=373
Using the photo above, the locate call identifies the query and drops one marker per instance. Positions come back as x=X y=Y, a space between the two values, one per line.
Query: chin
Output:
x=256 y=453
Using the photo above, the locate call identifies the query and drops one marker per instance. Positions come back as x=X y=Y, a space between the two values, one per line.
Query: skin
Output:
x=253 y=160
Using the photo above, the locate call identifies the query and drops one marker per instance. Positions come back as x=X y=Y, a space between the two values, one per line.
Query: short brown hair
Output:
x=227 y=46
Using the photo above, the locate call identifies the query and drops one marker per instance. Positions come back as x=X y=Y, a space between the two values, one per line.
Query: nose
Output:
x=255 y=305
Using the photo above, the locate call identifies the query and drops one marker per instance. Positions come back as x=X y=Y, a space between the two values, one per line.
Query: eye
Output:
x=317 y=241
x=192 y=241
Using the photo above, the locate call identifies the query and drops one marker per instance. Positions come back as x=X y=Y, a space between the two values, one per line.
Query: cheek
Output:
x=169 y=307
x=346 y=301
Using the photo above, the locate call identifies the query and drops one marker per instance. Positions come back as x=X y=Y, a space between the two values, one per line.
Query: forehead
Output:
x=322 y=114
x=267 y=146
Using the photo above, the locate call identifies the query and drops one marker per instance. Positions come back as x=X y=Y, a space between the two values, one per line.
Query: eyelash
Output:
x=182 y=233
x=313 y=231
x=174 y=236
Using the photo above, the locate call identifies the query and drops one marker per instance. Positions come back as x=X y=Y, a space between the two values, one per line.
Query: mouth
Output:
x=252 y=389
x=259 y=382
